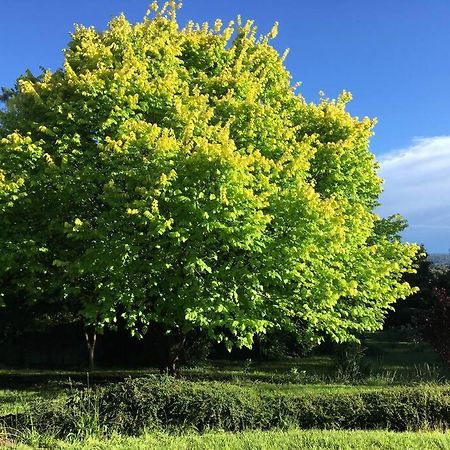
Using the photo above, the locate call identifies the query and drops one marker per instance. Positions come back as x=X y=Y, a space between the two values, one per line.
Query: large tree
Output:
x=173 y=176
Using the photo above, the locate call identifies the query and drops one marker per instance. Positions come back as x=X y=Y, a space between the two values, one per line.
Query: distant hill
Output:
x=439 y=259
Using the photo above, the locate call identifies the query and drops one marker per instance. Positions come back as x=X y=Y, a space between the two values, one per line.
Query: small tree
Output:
x=174 y=177
x=412 y=311
x=438 y=323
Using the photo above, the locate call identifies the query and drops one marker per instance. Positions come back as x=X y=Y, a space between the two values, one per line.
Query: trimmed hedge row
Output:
x=131 y=406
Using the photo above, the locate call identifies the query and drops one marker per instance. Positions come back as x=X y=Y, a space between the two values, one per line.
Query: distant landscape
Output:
x=440 y=259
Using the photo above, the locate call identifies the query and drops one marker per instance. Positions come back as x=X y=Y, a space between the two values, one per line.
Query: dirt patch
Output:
x=5 y=442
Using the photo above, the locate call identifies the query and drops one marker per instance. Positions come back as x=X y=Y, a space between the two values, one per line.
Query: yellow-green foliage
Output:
x=174 y=175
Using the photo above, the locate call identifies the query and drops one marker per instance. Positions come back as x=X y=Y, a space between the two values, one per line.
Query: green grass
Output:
x=399 y=351
x=15 y=401
x=393 y=357
x=255 y=440
x=395 y=360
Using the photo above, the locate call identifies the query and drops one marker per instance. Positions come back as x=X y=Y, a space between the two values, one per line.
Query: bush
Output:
x=134 y=405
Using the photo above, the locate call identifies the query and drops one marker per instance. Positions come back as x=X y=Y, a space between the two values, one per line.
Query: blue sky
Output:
x=394 y=56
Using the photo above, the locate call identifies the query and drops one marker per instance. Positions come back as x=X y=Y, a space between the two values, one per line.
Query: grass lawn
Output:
x=395 y=357
x=391 y=358
x=253 y=440
x=394 y=361
x=15 y=401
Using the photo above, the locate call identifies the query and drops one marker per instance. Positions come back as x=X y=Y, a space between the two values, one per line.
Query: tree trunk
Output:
x=258 y=347
x=91 y=338
x=171 y=347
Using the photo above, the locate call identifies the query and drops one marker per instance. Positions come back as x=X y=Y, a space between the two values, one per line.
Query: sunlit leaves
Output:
x=174 y=176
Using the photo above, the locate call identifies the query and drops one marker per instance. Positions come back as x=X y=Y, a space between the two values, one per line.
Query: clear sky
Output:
x=393 y=55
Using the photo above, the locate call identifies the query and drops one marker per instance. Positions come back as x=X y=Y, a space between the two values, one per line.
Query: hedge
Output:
x=134 y=405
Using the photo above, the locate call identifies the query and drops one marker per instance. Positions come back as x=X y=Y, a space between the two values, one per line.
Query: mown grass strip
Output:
x=254 y=440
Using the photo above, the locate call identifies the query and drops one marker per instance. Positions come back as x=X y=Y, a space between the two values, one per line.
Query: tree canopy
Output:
x=173 y=175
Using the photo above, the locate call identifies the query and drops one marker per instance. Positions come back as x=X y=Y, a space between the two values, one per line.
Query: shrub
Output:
x=134 y=405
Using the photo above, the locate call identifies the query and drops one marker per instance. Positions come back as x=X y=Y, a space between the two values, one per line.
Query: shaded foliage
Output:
x=438 y=323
